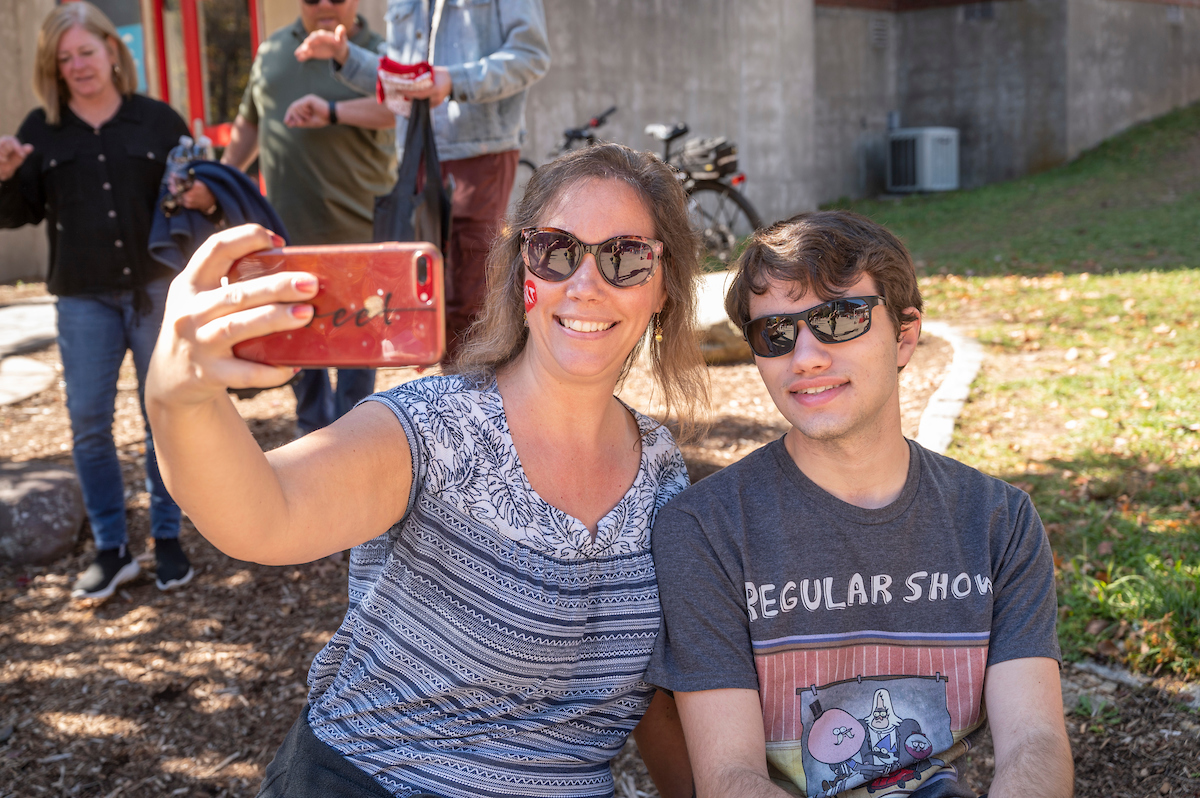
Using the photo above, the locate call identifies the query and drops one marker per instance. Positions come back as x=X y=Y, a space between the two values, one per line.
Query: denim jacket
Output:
x=494 y=50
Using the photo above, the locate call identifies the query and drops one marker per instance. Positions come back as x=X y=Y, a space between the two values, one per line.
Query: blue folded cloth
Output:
x=174 y=239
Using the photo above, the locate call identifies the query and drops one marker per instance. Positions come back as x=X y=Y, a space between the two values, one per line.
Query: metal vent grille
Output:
x=903 y=164
x=922 y=159
x=978 y=11
x=880 y=29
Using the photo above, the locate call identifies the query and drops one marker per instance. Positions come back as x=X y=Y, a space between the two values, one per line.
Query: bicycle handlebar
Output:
x=585 y=131
x=597 y=121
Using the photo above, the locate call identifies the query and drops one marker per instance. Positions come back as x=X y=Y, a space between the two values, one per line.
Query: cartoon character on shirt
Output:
x=896 y=743
x=839 y=740
x=887 y=730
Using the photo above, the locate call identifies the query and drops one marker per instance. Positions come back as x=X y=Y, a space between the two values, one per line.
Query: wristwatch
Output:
x=332 y=112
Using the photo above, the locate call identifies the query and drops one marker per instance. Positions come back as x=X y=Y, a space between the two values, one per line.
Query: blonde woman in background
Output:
x=89 y=162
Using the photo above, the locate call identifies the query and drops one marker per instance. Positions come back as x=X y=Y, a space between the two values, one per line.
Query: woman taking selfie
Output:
x=503 y=603
x=89 y=162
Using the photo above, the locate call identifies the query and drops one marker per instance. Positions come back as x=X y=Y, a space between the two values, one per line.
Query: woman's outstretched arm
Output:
x=329 y=491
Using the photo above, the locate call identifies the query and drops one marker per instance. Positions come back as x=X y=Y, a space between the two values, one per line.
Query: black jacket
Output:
x=174 y=240
x=96 y=189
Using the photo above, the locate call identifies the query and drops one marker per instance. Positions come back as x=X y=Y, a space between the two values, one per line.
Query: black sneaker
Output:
x=171 y=564
x=111 y=568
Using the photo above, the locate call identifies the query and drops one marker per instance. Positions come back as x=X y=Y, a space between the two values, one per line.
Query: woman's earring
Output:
x=117 y=69
x=657 y=329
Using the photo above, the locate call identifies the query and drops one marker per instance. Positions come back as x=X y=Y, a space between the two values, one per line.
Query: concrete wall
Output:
x=856 y=59
x=736 y=68
x=1127 y=62
x=23 y=252
x=1000 y=81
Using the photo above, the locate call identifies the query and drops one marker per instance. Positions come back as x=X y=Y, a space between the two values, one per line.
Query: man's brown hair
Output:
x=825 y=252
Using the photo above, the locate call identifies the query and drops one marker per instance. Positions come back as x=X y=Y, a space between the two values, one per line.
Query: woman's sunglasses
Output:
x=624 y=261
x=832 y=322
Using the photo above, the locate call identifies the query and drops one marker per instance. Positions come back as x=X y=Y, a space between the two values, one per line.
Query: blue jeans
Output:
x=93 y=333
x=319 y=405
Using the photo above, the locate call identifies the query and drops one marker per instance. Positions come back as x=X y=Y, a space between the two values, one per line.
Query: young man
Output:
x=841 y=606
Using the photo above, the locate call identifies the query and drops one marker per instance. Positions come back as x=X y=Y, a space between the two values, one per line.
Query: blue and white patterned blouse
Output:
x=492 y=646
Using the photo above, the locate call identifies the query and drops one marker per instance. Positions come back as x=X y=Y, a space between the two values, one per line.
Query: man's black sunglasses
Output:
x=832 y=322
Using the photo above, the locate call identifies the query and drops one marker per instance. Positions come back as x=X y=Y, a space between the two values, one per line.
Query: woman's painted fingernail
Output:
x=305 y=283
x=277 y=240
x=302 y=311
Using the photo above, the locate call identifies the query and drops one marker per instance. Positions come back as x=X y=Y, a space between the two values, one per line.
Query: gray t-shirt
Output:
x=866 y=632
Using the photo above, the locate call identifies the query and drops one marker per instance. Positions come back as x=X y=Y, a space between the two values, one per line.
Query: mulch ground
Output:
x=190 y=693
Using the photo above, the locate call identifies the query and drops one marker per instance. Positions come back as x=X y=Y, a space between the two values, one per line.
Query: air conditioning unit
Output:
x=922 y=159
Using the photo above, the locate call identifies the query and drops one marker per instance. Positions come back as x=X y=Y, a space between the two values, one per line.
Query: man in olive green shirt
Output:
x=322 y=180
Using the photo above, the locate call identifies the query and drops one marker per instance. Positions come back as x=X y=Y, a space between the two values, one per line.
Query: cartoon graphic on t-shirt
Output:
x=848 y=743
x=839 y=740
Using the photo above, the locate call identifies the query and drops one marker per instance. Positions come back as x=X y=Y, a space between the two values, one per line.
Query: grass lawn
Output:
x=1083 y=283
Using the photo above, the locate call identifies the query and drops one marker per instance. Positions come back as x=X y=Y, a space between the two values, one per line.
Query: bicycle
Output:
x=707 y=169
x=719 y=211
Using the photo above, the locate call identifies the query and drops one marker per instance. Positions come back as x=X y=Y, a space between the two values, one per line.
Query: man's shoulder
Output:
x=281 y=39
x=946 y=472
x=369 y=39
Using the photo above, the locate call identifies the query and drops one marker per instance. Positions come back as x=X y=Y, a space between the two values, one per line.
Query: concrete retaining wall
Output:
x=736 y=68
x=1127 y=62
x=1001 y=81
x=1029 y=83
x=856 y=65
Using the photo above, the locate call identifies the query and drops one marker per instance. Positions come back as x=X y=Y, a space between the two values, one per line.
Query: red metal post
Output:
x=255 y=33
x=193 y=56
x=160 y=48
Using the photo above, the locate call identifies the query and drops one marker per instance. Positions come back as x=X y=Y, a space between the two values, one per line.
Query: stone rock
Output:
x=23 y=377
x=27 y=327
x=41 y=512
x=720 y=341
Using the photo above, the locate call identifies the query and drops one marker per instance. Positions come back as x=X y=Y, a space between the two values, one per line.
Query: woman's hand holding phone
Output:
x=206 y=316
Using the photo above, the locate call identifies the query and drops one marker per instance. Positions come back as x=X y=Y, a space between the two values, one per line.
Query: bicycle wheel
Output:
x=724 y=218
x=525 y=170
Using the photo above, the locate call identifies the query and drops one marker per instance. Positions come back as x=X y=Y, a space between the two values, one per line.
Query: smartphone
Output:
x=377 y=305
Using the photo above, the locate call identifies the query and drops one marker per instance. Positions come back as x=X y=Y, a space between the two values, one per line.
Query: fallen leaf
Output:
x=1105 y=548
x=1162 y=329
x=1096 y=626
x=1107 y=648
x=1098 y=412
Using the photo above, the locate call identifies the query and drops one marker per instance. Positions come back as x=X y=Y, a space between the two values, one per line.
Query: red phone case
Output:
x=376 y=305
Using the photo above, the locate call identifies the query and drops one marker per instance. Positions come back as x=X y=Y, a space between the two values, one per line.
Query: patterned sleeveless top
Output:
x=492 y=646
